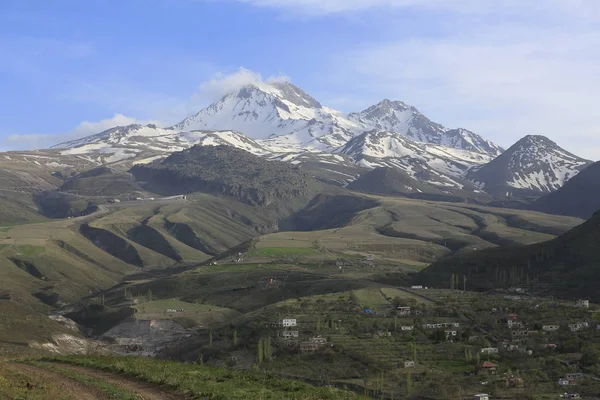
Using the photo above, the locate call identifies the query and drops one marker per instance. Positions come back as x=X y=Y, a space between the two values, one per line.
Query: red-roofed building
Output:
x=513 y=317
x=489 y=367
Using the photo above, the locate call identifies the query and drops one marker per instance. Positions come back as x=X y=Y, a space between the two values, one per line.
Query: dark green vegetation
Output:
x=224 y=170
x=566 y=266
x=579 y=197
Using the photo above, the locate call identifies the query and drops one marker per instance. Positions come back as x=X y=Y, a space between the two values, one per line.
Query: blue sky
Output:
x=70 y=68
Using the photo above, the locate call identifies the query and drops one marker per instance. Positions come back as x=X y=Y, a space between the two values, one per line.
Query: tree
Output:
x=210 y=338
x=235 y=337
x=397 y=302
x=590 y=358
x=261 y=352
x=409 y=384
x=149 y=295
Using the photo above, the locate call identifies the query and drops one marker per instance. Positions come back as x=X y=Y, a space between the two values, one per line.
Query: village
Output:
x=497 y=345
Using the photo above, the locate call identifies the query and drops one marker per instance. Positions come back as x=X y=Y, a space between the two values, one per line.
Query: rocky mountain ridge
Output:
x=280 y=121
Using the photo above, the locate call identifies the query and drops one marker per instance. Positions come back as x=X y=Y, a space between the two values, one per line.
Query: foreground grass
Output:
x=209 y=382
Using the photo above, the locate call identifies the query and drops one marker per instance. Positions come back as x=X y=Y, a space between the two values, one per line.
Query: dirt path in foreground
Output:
x=69 y=388
x=146 y=391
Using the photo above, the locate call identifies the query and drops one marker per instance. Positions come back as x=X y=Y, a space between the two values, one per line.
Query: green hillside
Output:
x=566 y=266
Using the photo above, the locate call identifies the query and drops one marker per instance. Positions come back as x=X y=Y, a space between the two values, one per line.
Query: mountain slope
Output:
x=532 y=166
x=390 y=181
x=224 y=170
x=566 y=266
x=579 y=197
x=430 y=164
x=397 y=116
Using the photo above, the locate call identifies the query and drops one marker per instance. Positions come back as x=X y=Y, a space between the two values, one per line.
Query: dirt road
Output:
x=59 y=381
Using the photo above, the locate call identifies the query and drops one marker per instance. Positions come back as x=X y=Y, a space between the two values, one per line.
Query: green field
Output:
x=282 y=252
x=202 y=315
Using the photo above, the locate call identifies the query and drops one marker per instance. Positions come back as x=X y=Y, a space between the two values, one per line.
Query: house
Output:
x=564 y=382
x=409 y=364
x=574 y=376
x=515 y=324
x=321 y=341
x=489 y=350
x=404 y=310
x=407 y=327
x=511 y=347
x=289 y=334
x=309 y=346
x=513 y=317
x=550 y=328
x=489 y=367
x=416 y=287
x=571 y=396
x=583 y=303
x=520 y=333
x=550 y=346
x=450 y=334
x=578 y=326
x=481 y=397
x=288 y=322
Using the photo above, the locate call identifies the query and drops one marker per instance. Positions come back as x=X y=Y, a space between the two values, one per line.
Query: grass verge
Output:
x=209 y=382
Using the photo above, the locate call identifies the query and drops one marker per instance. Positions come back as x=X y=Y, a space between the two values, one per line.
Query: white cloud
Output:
x=585 y=8
x=85 y=128
x=498 y=78
x=222 y=84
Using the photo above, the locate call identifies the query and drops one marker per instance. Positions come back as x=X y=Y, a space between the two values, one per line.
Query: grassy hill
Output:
x=565 y=266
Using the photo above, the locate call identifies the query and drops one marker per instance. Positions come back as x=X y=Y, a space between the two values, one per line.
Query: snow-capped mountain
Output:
x=125 y=142
x=279 y=112
x=399 y=117
x=432 y=164
x=533 y=165
x=279 y=121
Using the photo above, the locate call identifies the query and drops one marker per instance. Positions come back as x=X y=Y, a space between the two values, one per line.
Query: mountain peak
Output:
x=533 y=165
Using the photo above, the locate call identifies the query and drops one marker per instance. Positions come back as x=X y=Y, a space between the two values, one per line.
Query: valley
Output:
x=315 y=255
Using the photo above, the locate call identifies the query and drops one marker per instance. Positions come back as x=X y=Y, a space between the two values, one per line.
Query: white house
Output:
x=489 y=350
x=578 y=326
x=409 y=364
x=404 y=310
x=564 y=382
x=550 y=328
x=482 y=396
x=583 y=303
x=287 y=322
x=289 y=334
x=407 y=327
x=515 y=324
x=450 y=334
x=417 y=287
